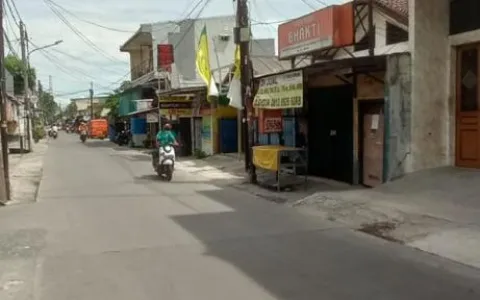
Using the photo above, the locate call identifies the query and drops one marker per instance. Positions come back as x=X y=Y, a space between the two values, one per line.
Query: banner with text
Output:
x=280 y=91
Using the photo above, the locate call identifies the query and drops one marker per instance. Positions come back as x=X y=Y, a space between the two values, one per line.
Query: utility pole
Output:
x=91 y=100
x=50 y=85
x=5 y=185
x=26 y=97
x=371 y=31
x=242 y=36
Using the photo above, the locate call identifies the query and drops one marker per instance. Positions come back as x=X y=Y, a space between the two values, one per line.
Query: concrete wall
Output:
x=428 y=30
x=221 y=52
x=398 y=104
x=380 y=20
x=184 y=49
x=160 y=33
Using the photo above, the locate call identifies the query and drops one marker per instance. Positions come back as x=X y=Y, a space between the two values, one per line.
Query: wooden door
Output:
x=373 y=142
x=468 y=108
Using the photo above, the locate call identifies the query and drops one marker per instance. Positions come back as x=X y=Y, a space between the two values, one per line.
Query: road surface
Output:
x=104 y=228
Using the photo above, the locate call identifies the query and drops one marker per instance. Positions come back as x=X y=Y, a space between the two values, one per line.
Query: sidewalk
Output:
x=26 y=173
x=437 y=211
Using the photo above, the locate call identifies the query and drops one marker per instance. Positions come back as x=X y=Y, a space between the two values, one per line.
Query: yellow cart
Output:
x=269 y=157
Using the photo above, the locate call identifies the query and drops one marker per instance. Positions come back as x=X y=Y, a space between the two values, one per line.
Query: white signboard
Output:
x=280 y=91
x=152 y=117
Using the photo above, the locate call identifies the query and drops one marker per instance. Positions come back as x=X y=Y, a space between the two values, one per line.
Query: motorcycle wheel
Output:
x=169 y=173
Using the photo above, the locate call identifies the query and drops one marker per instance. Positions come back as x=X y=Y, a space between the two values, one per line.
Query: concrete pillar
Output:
x=428 y=37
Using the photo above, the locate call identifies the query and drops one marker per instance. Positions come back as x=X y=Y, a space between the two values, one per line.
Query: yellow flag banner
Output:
x=203 y=63
x=235 y=89
x=280 y=91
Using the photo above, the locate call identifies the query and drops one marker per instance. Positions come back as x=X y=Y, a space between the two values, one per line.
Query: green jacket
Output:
x=165 y=137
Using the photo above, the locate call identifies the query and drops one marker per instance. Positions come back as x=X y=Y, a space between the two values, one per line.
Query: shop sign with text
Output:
x=270 y=121
x=329 y=27
x=280 y=91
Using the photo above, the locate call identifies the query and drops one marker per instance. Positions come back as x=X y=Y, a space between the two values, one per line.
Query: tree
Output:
x=47 y=104
x=15 y=66
x=113 y=100
x=112 y=103
x=70 y=111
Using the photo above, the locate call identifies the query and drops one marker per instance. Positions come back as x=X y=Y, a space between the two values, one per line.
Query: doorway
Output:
x=371 y=136
x=467 y=152
x=197 y=133
x=330 y=132
x=185 y=136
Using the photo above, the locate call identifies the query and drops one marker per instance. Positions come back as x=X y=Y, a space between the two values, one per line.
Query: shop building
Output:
x=445 y=39
x=353 y=116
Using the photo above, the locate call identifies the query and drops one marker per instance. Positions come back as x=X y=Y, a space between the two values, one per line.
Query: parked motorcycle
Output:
x=123 y=138
x=163 y=161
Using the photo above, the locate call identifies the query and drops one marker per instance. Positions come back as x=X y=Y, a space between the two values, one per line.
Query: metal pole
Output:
x=91 y=100
x=371 y=31
x=243 y=39
x=26 y=68
x=3 y=97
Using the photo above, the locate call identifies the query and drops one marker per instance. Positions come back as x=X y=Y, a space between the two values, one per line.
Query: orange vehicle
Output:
x=98 y=129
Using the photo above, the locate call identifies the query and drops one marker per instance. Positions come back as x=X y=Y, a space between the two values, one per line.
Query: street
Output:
x=104 y=227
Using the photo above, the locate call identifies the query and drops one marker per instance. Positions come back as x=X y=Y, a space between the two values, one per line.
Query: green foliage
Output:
x=113 y=103
x=47 y=104
x=70 y=111
x=38 y=131
x=15 y=66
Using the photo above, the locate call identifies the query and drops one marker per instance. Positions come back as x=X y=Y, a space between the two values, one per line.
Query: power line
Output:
x=87 y=21
x=205 y=4
x=78 y=33
x=16 y=10
x=12 y=14
x=82 y=60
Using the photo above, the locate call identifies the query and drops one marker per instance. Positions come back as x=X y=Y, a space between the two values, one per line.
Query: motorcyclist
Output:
x=82 y=128
x=166 y=137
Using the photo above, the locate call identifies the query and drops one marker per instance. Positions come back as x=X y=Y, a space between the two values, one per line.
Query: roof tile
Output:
x=399 y=6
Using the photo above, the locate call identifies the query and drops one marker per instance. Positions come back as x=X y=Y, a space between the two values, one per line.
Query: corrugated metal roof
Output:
x=399 y=6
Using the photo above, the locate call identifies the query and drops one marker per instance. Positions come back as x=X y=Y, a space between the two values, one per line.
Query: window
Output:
x=468 y=79
x=464 y=15
x=395 y=34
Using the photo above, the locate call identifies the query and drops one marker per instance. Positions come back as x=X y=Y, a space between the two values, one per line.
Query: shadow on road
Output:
x=293 y=258
x=99 y=144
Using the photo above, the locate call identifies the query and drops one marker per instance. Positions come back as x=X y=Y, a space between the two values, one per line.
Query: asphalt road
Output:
x=104 y=228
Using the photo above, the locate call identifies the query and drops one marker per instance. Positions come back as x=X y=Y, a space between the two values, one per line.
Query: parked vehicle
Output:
x=98 y=129
x=163 y=161
x=123 y=138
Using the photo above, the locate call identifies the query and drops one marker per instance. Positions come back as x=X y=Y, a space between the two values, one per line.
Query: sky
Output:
x=74 y=63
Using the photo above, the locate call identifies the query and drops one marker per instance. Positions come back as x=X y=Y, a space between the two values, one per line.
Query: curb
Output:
x=26 y=176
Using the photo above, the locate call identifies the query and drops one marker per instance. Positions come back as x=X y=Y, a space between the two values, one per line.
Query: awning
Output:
x=185 y=90
x=143 y=111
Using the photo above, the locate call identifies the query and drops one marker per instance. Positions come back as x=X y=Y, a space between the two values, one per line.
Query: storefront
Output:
x=177 y=109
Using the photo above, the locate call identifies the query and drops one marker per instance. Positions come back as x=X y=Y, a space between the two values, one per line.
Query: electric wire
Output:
x=79 y=34
x=187 y=17
x=88 y=21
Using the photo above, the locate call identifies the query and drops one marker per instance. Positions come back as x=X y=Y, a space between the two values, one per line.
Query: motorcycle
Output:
x=163 y=161
x=123 y=138
x=54 y=134
x=83 y=136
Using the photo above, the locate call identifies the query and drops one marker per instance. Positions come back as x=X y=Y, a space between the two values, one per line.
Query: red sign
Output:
x=270 y=121
x=165 y=57
x=326 y=28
